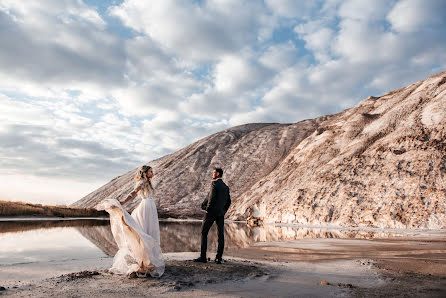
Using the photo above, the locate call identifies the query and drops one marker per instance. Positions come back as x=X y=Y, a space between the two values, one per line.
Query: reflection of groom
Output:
x=216 y=205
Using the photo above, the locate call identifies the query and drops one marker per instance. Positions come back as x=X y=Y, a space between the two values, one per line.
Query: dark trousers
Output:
x=205 y=227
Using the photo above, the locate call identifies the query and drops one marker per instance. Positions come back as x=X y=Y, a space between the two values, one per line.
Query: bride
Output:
x=138 y=234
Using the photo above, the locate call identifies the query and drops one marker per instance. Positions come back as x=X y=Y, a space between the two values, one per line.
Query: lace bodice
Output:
x=141 y=193
x=150 y=197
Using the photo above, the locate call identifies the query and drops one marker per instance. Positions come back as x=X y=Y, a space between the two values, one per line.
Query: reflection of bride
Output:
x=137 y=235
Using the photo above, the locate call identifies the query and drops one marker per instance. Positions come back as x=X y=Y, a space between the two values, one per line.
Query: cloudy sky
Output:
x=91 y=89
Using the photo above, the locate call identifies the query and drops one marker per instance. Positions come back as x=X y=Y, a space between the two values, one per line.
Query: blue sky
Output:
x=90 y=90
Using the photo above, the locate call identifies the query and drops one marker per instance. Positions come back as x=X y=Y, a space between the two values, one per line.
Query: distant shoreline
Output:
x=47 y=218
x=21 y=209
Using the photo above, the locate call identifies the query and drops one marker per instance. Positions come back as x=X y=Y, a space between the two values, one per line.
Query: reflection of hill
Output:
x=241 y=235
x=185 y=236
x=177 y=236
x=102 y=237
x=27 y=225
x=269 y=233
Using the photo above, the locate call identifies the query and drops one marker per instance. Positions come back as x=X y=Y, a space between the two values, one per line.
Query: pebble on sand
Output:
x=324 y=283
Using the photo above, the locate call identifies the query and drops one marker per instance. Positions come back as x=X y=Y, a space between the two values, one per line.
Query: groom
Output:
x=216 y=204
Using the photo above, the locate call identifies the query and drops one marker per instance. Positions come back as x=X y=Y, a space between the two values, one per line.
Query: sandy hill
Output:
x=381 y=163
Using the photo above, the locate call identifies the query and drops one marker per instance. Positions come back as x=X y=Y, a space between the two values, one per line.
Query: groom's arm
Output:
x=228 y=202
x=204 y=204
x=212 y=196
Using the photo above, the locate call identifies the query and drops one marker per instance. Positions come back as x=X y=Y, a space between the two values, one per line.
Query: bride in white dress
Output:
x=138 y=234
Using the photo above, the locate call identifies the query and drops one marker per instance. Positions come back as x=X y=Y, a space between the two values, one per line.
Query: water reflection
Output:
x=185 y=235
x=35 y=249
x=102 y=237
x=45 y=246
x=22 y=225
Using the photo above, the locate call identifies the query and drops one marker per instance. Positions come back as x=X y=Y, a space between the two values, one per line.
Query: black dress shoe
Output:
x=218 y=261
x=200 y=260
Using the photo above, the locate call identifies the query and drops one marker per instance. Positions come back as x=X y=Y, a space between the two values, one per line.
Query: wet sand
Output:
x=414 y=267
x=235 y=277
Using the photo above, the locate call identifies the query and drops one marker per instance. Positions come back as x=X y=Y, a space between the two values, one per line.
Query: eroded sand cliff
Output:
x=381 y=163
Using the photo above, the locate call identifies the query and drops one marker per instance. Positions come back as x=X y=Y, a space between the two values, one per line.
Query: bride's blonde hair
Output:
x=141 y=175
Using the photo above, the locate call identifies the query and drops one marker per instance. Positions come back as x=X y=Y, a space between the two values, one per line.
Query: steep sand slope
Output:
x=381 y=163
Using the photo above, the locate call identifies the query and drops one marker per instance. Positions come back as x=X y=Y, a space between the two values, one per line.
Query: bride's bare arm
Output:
x=131 y=195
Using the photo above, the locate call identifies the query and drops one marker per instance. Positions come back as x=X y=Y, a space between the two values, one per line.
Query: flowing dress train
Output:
x=137 y=237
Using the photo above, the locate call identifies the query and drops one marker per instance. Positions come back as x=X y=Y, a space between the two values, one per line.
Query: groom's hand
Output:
x=204 y=204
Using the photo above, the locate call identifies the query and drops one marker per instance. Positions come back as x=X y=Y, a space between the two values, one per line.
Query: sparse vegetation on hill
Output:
x=17 y=226
x=8 y=208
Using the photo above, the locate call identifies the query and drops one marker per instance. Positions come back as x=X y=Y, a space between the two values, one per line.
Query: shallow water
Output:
x=45 y=245
x=35 y=248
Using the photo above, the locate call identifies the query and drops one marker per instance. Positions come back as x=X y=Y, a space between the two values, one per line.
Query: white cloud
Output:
x=35 y=12
x=44 y=190
x=195 y=32
x=359 y=42
x=280 y=56
x=292 y=8
x=147 y=98
x=170 y=131
x=238 y=80
x=318 y=38
x=44 y=138
x=155 y=81
x=257 y=115
x=412 y=15
x=25 y=113
x=235 y=75
x=165 y=132
x=365 y=11
x=49 y=46
x=90 y=99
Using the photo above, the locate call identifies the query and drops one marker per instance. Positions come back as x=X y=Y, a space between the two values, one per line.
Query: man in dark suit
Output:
x=216 y=204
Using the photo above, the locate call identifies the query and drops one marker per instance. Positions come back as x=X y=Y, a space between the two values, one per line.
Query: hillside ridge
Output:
x=380 y=163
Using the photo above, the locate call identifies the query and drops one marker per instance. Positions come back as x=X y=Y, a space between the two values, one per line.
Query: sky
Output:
x=92 y=89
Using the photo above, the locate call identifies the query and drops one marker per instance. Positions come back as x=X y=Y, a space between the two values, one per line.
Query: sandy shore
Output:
x=313 y=267
x=235 y=277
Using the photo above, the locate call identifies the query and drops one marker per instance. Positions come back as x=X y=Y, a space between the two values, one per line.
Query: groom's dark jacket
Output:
x=218 y=199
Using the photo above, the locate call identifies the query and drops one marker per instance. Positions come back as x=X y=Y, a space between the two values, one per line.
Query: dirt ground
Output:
x=179 y=276
x=408 y=278
x=304 y=268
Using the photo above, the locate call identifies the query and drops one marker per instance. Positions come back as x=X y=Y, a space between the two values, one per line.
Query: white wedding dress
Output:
x=137 y=236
